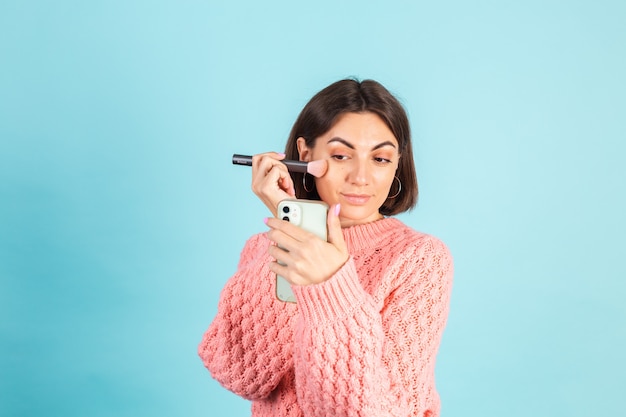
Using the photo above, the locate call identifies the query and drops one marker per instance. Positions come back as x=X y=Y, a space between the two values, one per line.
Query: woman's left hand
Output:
x=307 y=259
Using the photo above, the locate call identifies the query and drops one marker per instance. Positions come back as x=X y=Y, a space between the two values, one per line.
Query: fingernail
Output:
x=280 y=153
x=265 y=220
x=337 y=209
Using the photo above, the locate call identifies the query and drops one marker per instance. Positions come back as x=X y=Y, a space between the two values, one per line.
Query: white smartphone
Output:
x=310 y=215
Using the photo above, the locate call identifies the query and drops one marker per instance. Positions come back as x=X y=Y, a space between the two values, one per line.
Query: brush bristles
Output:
x=317 y=168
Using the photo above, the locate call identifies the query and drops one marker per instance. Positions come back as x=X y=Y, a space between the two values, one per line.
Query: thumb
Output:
x=335 y=236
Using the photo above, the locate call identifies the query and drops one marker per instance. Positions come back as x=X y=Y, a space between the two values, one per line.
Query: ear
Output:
x=303 y=150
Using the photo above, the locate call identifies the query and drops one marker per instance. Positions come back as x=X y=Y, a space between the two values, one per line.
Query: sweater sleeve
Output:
x=248 y=345
x=356 y=357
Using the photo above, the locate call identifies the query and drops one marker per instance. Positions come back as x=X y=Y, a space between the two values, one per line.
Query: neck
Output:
x=345 y=222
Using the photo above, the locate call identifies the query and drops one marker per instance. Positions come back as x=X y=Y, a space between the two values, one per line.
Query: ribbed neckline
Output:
x=369 y=235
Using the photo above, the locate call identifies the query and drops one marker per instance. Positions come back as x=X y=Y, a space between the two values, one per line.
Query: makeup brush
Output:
x=316 y=168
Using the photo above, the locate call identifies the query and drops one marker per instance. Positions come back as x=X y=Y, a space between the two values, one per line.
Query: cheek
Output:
x=385 y=180
x=328 y=185
x=323 y=186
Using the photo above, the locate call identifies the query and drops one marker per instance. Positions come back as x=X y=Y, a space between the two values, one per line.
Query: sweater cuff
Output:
x=332 y=299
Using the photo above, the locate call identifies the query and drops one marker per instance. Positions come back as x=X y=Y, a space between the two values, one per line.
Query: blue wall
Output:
x=121 y=216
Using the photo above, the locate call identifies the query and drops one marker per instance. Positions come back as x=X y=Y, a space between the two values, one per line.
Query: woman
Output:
x=372 y=301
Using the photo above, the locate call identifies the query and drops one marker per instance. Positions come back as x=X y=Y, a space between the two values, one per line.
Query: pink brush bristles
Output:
x=317 y=168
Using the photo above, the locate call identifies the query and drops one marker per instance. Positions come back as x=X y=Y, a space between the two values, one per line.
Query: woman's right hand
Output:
x=271 y=181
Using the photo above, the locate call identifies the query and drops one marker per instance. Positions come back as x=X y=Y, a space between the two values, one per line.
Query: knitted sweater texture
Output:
x=362 y=343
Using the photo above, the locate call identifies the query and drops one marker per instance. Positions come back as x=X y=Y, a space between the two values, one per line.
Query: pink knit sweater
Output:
x=362 y=343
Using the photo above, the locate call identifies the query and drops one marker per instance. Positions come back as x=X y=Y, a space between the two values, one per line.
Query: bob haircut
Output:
x=353 y=96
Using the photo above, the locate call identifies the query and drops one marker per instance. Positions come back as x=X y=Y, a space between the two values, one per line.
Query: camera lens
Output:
x=285 y=209
x=286 y=218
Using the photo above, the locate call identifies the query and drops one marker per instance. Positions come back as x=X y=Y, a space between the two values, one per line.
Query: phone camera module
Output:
x=285 y=209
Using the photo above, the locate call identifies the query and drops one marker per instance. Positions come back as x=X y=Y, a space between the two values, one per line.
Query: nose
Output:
x=359 y=172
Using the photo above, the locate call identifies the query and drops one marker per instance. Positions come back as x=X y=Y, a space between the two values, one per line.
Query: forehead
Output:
x=361 y=129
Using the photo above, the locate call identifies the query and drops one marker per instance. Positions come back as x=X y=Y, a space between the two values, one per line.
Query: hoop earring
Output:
x=399 y=188
x=304 y=184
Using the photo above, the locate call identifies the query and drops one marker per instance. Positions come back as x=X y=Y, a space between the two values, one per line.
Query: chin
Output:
x=357 y=215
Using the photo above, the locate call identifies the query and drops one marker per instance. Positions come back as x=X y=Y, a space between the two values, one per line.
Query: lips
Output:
x=357 y=199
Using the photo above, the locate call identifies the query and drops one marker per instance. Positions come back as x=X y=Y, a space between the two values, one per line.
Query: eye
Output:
x=382 y=161
x=339 y=157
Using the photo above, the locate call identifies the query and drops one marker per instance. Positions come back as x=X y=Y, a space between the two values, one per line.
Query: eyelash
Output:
x=383 y=161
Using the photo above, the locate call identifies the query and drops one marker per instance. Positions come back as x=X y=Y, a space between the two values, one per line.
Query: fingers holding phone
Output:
x=303 y=255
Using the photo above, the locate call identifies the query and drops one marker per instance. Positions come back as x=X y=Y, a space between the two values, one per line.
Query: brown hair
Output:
x=353 y=96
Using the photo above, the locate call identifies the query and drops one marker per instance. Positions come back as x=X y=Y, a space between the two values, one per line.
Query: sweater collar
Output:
x=370 y=234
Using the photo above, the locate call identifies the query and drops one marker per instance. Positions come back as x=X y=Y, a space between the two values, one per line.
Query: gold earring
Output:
x=304 y=184
x=399 y=188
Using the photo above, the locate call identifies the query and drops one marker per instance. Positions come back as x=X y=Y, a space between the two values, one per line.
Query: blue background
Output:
x=121 y=216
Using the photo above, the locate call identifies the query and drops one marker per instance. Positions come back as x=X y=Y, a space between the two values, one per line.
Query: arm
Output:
x=248 y=346
x=353 y=358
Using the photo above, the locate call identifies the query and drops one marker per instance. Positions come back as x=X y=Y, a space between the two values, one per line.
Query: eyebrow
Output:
x=351 y=146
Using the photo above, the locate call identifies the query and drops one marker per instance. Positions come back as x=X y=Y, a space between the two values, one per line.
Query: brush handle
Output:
x=292 y=166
